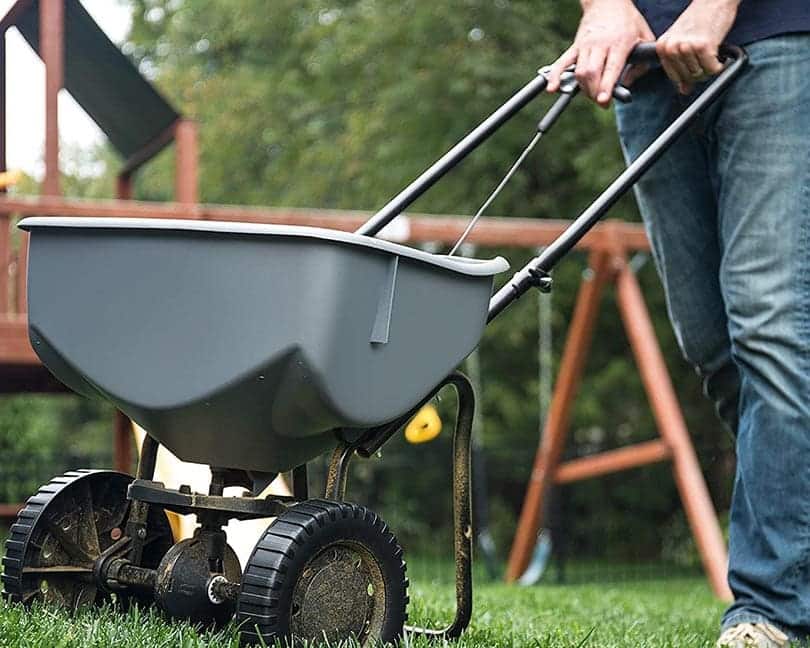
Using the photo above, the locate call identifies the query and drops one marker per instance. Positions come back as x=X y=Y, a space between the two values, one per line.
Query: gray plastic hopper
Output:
x=247 y=346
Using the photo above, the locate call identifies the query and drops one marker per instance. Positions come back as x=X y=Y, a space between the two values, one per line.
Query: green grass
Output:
x=672 y=613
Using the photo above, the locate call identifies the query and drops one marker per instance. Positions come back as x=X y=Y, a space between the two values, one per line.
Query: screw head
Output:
x=115 y=534
x=142 y=534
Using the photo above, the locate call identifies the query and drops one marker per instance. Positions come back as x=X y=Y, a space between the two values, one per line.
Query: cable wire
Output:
x=497 y=191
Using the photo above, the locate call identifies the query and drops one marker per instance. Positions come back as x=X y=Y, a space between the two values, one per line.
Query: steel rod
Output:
x=462 y=511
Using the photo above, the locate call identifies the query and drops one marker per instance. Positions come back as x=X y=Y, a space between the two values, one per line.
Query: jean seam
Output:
x=803 y=279
x=802 y=566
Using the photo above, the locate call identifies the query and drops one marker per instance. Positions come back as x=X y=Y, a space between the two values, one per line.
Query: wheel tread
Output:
x=24 y=525
x=266 y=585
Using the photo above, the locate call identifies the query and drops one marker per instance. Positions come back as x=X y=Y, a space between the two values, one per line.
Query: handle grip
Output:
x=645 y=53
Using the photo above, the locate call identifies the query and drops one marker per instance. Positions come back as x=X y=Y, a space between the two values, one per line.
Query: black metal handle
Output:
x=539 y=267
x=643 y=54
x=646 y=53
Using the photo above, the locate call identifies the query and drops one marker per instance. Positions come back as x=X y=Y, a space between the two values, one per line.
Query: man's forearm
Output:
x=587 y=4
x=719 y=4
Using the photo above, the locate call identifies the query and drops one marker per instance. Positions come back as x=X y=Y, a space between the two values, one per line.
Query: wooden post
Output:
x=5 y=256
x=52 y=51
x=122 y=426
x=123 y=186
x=122 y=443
x=22 y=272
x=185 y=139
x=3 y=131
x=688 y=476
x=553 y=441
x=5 y=221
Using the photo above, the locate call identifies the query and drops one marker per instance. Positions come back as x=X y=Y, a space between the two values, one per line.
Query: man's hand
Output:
x=607 y=34
x=689 y=49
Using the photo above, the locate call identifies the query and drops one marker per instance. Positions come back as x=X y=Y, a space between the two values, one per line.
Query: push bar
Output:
x=642 y=53
x=536 y=271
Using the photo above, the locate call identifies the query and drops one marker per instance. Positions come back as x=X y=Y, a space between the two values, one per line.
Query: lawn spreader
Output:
x=255 y=349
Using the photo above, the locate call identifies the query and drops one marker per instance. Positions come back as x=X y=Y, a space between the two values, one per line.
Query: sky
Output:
x=25 y=93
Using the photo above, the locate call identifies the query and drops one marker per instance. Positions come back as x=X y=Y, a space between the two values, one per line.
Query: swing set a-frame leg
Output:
x=671 y=425
x=694 y=494
x=548 y=454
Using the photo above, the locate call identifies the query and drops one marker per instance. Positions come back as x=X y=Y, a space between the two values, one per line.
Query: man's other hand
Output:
x=607 y=34
x=689 y=49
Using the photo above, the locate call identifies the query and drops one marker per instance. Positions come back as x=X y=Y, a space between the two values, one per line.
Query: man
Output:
x=727 y=210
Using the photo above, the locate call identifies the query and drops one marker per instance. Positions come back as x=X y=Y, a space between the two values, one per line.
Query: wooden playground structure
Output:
x=65 y=37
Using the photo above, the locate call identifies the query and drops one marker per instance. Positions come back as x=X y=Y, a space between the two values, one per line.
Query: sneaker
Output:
x=759 y=635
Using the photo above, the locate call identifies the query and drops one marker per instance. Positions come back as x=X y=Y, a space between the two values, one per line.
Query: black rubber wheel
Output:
x=56 y=538
x=324 y=570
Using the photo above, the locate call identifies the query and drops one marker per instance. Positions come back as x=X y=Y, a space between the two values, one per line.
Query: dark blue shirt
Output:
x=756 y=19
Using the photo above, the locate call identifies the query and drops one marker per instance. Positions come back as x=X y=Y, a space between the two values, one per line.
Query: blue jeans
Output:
x=727 y=210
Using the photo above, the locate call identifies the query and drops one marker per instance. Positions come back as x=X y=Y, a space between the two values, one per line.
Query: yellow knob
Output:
x=8 y=178
x=425 y=426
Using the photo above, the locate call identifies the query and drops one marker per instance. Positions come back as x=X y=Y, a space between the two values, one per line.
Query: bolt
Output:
x=213 y=590
x=115 y=534
x=142 y=533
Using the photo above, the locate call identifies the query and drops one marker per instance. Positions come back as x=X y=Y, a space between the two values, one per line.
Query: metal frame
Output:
x=123 y=563
x=368 y=444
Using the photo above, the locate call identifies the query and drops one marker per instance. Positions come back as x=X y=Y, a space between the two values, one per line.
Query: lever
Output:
x=570 y=86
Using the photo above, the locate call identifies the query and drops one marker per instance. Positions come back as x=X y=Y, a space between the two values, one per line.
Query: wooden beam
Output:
x=604 y=463
x=185 y=144
x=52 y=51
x=491 y=231
x=688 y=476
x=15 y=348
x=551 y=445
x=138 y=159
x=9 y=511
